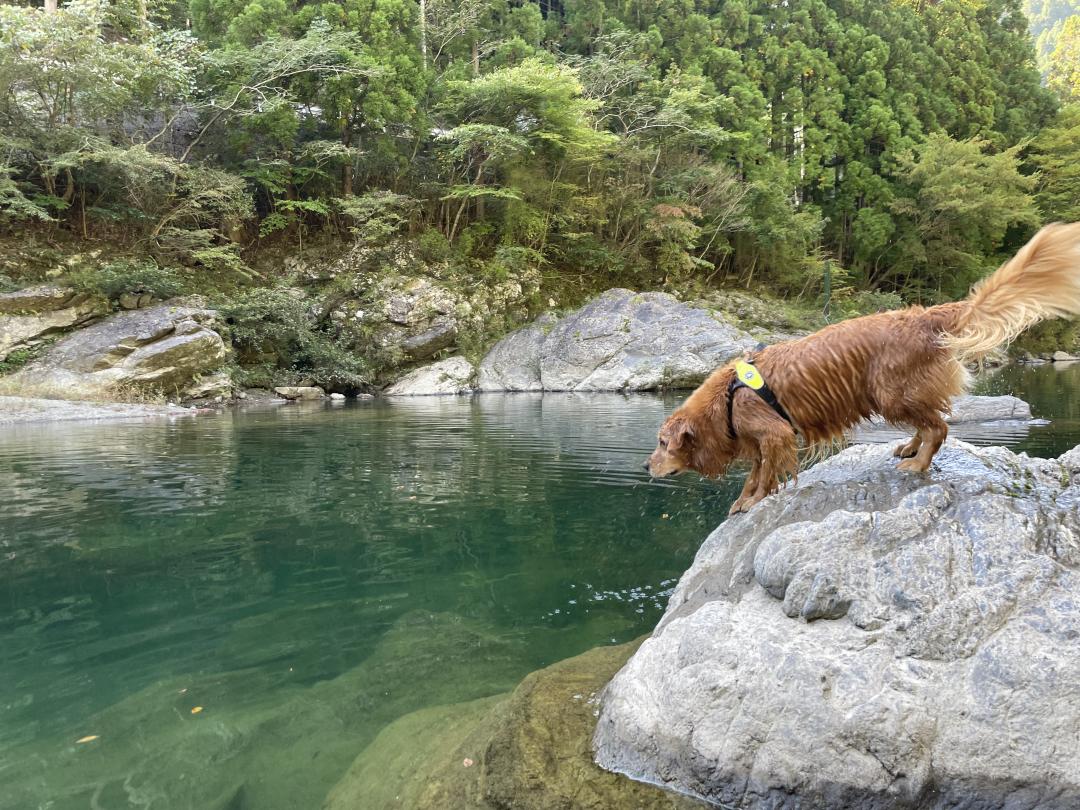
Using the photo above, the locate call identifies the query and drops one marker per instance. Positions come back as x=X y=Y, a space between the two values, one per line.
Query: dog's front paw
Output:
x=737 y=507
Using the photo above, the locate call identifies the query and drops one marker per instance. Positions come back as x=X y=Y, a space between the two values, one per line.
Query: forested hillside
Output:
x=648 y=143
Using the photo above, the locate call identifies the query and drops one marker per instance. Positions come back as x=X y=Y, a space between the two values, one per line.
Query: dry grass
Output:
x=126 y=393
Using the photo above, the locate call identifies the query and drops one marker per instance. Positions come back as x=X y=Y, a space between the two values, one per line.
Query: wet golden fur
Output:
x=905 y=365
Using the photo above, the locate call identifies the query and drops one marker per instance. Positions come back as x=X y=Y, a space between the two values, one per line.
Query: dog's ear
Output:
x=682 y=431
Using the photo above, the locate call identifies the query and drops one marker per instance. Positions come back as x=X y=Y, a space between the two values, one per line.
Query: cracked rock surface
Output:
x=871 y=639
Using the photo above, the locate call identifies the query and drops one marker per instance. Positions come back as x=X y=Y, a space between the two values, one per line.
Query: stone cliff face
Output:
x=165 y=346
x=870 y=639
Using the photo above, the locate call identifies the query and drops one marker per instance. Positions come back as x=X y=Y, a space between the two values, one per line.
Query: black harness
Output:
x=761 y=389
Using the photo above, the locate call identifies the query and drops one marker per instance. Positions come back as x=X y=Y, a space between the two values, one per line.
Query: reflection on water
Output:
x=312 y=573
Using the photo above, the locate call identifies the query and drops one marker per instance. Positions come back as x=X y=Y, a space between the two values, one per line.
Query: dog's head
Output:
x=674 y=451
x=696 y=436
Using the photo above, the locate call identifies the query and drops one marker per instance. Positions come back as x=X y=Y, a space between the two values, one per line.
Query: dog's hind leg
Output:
x=910 y=447
x=933 y=431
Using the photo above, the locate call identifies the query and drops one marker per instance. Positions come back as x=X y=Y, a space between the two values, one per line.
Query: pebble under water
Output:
x=224 y=611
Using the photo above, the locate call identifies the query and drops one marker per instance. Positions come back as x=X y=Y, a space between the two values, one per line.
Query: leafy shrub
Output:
x=433 y=246
x=276 y=336
x=129 y=276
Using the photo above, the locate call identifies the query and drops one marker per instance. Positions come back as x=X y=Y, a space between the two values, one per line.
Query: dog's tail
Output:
x=1042 y=281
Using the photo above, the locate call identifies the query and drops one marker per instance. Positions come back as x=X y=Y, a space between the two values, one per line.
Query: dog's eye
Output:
x=663 y=443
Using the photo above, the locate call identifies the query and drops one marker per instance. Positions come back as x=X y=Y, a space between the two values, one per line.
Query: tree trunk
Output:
x=50 y=6
x=347 y=169
x=475 y=57
x=423 y=31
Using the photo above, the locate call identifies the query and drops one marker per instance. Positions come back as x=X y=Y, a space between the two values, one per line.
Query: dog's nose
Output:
x=645 y=466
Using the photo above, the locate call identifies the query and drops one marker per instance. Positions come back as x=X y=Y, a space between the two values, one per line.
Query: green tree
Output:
x=960 y=200
x=1056 y=153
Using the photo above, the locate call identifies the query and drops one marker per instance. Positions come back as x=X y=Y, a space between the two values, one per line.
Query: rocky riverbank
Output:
x=180 y=351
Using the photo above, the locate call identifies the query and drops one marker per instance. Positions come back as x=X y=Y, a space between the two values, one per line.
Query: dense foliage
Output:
x=643 y=142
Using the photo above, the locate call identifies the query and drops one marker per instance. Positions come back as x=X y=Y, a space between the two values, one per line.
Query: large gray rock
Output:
x=973 y=408
x=514 y=362
x=28 y=315
x=451 y=376
x=871 y=639
x=165 y=346
x=619 y=341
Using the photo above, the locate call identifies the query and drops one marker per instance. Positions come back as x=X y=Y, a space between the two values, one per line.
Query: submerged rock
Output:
x=451 y=376
x=871 y=639
x=262 y=740
x=529 y=750
x=619 y=341
x=165 y=347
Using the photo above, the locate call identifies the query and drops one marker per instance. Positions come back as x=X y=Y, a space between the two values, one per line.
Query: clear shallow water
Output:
x=304 y=576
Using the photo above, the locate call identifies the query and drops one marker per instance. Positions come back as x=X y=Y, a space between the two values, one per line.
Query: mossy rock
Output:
x=529 y=750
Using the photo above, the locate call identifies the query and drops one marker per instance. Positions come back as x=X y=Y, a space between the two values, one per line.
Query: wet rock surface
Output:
x=165 y=346
x=871 y=639
x=20 y=410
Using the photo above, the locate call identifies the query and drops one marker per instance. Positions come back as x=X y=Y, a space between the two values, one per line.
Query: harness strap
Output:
x=747 y=376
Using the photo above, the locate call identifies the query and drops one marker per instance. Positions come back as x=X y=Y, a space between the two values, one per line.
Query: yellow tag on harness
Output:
x=748 y=375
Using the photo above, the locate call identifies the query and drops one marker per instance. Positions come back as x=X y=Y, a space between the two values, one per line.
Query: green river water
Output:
x=233 y=606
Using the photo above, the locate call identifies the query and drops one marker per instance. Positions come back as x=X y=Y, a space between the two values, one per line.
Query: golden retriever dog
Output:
x=905 y=365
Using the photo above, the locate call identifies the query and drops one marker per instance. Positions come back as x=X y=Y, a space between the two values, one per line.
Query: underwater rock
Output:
x=529 y=750
x=261 y=739
x=451 y=376
x=871 y=639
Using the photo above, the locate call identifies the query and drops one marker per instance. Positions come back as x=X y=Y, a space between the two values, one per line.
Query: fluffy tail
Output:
x=1042 y=281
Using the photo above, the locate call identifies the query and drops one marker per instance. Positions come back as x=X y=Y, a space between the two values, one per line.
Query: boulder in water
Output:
x=300 y=392
x=871 y=639
x=973 y=408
